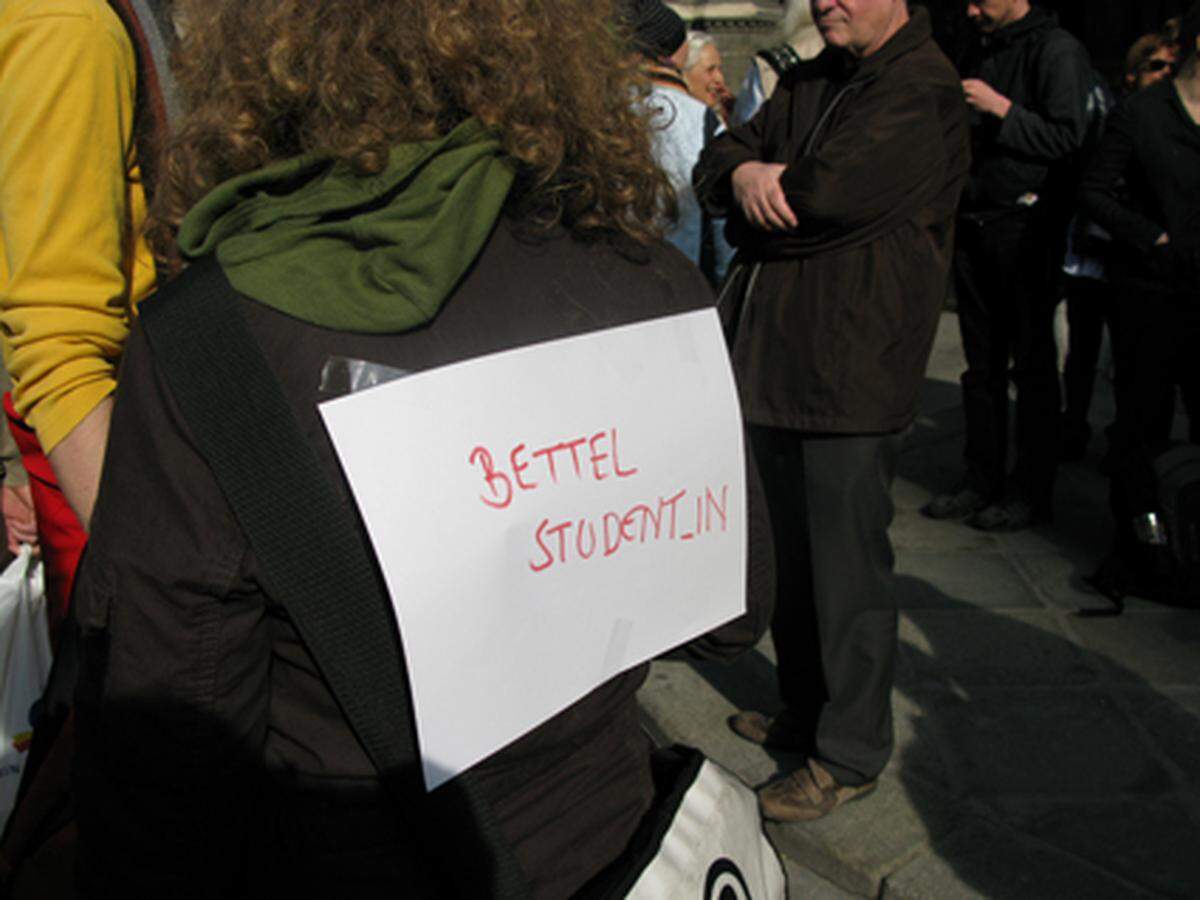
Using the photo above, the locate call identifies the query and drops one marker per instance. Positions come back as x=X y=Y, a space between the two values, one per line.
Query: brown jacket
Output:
x=213 y=759
x=833 y=321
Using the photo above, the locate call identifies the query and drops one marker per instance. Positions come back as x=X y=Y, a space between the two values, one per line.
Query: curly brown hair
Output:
x=265 y=80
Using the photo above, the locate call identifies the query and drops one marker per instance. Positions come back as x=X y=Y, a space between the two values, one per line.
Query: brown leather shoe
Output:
x=807 y=794
x=780 y=732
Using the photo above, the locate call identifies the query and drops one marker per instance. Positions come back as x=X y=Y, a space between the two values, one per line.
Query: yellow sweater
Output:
x=71 y=207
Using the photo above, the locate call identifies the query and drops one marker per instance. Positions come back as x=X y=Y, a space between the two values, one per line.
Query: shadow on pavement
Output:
x=1029 y=763
x=1039 y=754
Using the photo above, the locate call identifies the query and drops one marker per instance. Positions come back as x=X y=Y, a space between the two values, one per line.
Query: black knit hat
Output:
x=656 y=29
x=1189 y=31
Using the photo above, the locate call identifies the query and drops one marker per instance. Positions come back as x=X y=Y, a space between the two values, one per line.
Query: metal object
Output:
x=1150 y=529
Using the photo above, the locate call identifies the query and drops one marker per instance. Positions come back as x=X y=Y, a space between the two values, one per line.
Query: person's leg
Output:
x=1086 y=313
x=780 y=457
x=1144 y=332
x=849 y=508
x=1035 y=365
x=1186 y=364
x=984 y=328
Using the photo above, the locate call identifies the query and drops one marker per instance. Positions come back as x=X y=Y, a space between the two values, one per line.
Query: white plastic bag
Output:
x=24 y=667
x=715 y=846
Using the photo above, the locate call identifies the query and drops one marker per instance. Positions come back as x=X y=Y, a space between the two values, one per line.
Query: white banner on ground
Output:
x=549 y=517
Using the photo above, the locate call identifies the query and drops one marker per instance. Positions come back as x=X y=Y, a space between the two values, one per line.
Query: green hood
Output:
x=377 y=253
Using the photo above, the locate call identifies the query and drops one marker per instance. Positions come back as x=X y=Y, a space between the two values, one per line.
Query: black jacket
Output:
x=213 y=759
x=1047 y=75
x=1145 y=180
x=835 y=330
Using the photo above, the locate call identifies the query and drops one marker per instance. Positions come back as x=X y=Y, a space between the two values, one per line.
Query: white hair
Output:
x=696 y=42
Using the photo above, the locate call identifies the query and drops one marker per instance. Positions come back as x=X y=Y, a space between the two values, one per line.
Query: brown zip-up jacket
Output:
x=213 y=758
x=832 y=322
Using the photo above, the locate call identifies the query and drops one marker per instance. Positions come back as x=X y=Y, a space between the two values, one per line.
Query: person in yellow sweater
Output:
x=72 y=210
x=79 y=96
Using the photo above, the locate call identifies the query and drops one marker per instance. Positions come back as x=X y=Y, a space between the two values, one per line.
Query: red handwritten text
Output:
x=591 y=457
x=676 y=517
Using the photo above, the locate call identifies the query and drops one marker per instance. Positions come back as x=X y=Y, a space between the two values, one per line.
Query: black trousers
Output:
x=835 y=613
x=1005 y=279
x=1156 y=346
x=1089 y=307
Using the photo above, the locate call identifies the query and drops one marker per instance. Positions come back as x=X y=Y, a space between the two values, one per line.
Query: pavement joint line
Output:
x=1014 y=558
x=1018 y=562
x=1157 y=752
x=1067 y=619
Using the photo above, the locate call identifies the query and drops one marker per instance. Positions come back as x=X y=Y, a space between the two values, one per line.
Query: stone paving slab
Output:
x=1160 y=645
x=981 y=859
x=684 y=706
x=1171 y=719
x=973 y=577
x=1058 y=581
x=1046 y=743
x=1010 y=648
x=1038 y=754
x=912 y=531
x=918 y=756
x=1112 y=835
x=804 y=884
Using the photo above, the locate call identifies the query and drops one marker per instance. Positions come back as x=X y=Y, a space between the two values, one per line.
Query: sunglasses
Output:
x=1155 y=65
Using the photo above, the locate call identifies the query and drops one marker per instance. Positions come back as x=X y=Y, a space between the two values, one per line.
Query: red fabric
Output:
x=60 y=534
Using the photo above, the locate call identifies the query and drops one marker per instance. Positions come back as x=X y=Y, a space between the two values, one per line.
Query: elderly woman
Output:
x=411 y=182
x=704 y=76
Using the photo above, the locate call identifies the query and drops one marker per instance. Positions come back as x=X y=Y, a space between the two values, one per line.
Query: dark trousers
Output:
x=1156 y=346
x=835 y=613
x=1089 y=306
x=1004 y=277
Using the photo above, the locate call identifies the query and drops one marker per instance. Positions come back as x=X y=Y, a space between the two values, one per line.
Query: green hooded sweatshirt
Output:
x=377 y=253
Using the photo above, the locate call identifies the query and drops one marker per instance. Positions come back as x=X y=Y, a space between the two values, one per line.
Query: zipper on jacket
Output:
x=750 y=285
x=829 y=110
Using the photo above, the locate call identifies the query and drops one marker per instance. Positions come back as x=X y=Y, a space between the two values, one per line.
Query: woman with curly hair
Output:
x=411 y=182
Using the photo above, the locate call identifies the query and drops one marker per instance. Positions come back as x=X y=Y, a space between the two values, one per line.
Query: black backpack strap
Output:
x=313 y=559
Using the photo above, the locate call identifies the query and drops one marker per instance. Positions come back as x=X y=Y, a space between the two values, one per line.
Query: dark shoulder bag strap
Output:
x=156 y=104
x=313 y=559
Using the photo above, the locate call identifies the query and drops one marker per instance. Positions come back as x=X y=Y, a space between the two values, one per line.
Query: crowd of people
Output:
x=418 y=182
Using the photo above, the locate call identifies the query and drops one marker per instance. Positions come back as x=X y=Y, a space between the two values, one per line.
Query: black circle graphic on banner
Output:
x=726 y=882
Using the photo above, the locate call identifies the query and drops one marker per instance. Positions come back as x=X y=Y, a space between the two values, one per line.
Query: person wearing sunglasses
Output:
x=1143 y=187
x=1150 y=60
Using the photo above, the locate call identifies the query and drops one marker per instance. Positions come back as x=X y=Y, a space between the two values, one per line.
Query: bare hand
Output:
x=1163 y=240
x=758 y=192
x=19 y=518
x=985 y=98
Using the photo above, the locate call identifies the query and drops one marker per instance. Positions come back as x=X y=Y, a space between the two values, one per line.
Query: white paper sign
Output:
x=548 y=517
